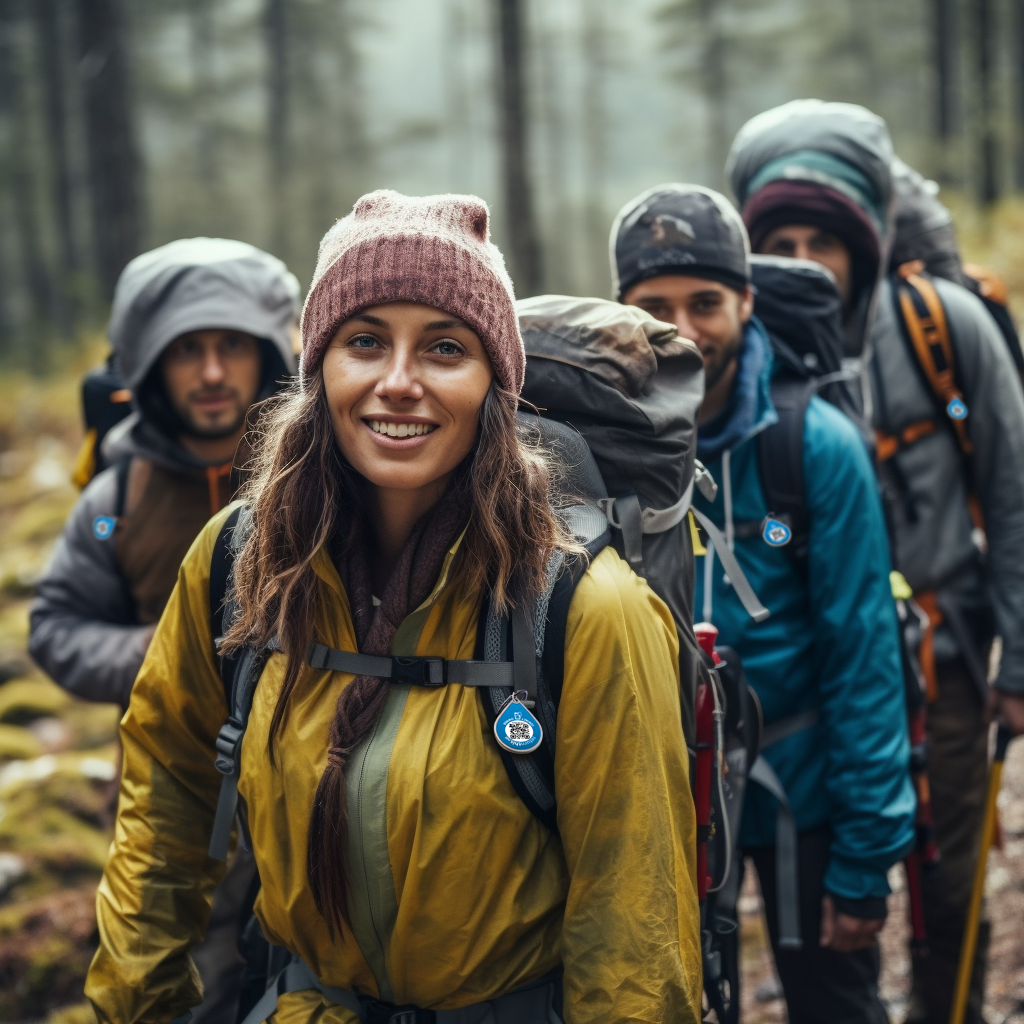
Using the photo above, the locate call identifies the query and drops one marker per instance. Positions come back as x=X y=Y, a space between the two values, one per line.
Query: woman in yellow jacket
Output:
x=399 y=867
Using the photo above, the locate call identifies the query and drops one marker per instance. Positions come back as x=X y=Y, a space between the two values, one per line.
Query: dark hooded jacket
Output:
x=927 y=484
x=117 y=559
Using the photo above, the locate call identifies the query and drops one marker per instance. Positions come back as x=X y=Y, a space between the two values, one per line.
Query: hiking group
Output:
x=419 y=727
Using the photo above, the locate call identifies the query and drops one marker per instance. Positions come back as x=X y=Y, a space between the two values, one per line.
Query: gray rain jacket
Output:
x=83 y=628
x=928 y=483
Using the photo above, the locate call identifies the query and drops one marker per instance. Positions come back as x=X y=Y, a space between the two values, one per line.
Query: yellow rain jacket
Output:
x=458 y=893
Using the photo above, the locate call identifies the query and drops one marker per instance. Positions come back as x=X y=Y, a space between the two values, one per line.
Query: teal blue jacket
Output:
x=830 y=643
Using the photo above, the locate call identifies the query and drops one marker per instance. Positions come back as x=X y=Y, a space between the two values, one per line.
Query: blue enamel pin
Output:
x=957 y=409
x=103 y=527
x=515 y=728
x=776 y=534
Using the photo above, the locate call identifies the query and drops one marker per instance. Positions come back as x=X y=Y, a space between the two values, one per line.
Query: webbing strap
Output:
x=229 y=748
x=532 y=1002
x=524 y=667
x=740 y=583
x=887 y=445
x=297 y=977
x=786 y=886
x=624 y=514
x=929 y=334
x=416 y=671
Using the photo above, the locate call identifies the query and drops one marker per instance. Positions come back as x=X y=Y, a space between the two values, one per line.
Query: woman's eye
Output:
x=446 y=347
x=363 y=341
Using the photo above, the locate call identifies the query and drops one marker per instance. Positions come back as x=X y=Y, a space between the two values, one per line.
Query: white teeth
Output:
x=401 y=429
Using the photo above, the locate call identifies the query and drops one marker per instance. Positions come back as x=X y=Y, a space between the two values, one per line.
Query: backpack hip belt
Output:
x=538 y=1001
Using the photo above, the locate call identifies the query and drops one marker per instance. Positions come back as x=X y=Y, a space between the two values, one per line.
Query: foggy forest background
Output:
x=127 y=123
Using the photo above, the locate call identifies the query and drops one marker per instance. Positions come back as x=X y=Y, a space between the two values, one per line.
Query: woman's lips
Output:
x=400 y=429
x=386 y=439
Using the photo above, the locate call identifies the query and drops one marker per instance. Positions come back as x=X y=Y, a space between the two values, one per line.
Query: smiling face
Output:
x=405 y=384
x=707 y=312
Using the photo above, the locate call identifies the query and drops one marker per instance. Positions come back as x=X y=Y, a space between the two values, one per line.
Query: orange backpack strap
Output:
x=926 y=326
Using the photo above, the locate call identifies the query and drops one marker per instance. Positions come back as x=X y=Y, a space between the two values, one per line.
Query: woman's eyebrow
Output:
x=368 y=319
x=443 y=325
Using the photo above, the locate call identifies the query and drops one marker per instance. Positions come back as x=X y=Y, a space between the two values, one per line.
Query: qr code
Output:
x=519 y=731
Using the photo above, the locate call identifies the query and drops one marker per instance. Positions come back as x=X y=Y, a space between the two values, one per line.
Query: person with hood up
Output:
x=828 y=654
x=401 y=873
x=814 y=179
x=202 y=328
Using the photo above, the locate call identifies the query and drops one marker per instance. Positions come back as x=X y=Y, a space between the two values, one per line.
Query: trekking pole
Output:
x=970 y=939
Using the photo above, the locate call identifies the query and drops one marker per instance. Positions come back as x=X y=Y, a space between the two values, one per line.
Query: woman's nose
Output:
x=400 y=379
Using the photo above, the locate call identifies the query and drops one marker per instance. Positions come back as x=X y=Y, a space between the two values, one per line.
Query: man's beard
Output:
x=209 y=433
x=727 y=355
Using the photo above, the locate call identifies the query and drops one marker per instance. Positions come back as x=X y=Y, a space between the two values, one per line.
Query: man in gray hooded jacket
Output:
x=201 y=329
x=814 y=180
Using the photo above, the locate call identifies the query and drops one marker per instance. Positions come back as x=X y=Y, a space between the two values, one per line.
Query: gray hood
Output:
x=844 y=130
x=924 y=226
x=821 y=137
x=196 y=284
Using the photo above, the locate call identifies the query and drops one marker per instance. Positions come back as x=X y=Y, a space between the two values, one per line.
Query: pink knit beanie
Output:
x=431 y=249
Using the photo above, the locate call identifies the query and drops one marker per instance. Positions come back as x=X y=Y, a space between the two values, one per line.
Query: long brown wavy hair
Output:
x=300 y=494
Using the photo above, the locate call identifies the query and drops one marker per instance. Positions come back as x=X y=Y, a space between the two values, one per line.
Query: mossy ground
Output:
x=57 y=755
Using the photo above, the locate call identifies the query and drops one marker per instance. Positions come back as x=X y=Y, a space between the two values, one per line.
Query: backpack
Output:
x=105 y=402
x=618 y=395
x=991 y=289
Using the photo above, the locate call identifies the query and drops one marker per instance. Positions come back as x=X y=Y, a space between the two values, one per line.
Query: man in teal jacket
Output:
x=830 y=645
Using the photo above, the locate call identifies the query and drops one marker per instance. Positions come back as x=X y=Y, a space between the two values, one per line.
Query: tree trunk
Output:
x=51 y=68
x=1018 y=86
x=595 y=144
x=201 y=45
x=524 y=248
x=275 y=30
x=943 y=64
x=988 y=146
x=22 y=176
x=715 y=86
x=115 y=170
x=557 y=214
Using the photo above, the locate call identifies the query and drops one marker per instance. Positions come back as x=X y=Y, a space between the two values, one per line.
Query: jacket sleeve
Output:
x=82 y=630
x=995 y=424
x=630 y=942
x=154 y=899
x=856 y=640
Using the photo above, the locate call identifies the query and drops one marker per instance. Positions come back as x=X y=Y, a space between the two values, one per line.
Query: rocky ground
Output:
x=57 y=766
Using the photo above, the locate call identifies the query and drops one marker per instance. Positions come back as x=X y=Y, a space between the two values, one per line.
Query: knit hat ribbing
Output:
x=431 y=249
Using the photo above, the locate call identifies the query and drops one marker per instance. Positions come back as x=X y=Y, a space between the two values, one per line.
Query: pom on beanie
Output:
x=434 y=250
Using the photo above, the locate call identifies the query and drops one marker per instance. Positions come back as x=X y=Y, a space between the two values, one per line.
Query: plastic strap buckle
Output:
x=419 y=671
x=229 y=741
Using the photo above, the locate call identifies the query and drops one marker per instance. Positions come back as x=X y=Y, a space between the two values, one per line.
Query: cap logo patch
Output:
x=669 y=230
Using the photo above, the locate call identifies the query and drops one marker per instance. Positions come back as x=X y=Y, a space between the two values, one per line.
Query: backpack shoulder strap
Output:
x=780 y=458
x=533 y=776
x=122 y=469
x=925 y=327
